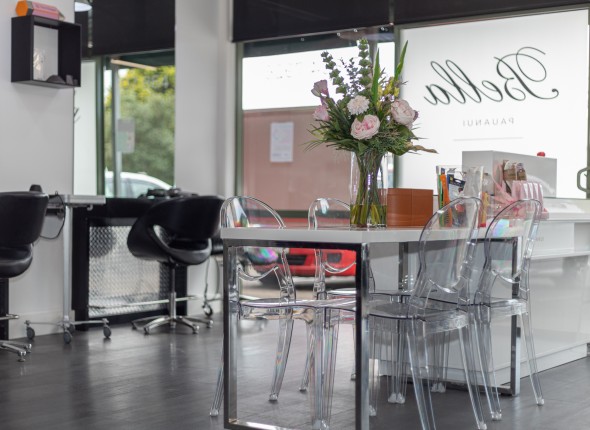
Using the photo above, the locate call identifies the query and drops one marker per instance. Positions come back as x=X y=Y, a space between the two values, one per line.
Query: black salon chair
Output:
x=21 y=219
x=176 y=232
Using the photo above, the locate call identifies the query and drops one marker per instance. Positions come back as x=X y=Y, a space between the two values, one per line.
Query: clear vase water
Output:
x=370 y=175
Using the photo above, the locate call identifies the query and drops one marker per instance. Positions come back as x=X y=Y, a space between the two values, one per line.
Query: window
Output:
x=143 y=98
x=277 y=108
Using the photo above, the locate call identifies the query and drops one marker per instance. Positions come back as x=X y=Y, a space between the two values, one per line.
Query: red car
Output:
x=302 y=260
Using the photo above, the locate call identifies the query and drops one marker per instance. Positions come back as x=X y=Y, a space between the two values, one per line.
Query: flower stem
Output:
x=368 y=208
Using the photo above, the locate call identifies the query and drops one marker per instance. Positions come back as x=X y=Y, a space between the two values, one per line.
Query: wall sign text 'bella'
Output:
x=521 y=74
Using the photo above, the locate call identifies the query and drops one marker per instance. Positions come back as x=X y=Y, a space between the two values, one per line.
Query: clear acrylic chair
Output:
x=248 y=212
x=257 y=264
x=518 y=223
x=326 y=213
x=439 y=301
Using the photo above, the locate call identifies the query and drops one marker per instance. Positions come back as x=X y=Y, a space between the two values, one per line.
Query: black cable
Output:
x=61 y=213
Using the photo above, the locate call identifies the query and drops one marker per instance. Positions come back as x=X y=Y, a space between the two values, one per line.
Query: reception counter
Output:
x=560 y=283
x=560 y=292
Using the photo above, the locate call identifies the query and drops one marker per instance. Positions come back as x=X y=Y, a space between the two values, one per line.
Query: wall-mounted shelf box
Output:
x=43 y=47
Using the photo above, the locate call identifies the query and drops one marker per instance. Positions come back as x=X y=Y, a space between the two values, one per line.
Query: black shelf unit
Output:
x=23 y=43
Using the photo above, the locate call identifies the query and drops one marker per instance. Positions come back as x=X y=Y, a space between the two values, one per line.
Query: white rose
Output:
x=402 y=112
x=366 y=128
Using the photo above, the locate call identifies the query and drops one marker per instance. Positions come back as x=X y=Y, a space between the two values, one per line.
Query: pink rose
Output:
x=320 y=88
x=403 y=113
x=321 y=113
x=366 y=128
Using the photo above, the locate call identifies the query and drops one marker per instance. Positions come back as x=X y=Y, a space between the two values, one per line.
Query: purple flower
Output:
x=320 y=88
x=321 y=113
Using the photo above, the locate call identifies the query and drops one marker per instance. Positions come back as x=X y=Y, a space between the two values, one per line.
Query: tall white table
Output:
x=360 y=241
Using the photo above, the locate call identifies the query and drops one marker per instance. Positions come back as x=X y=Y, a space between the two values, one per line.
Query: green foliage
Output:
x=148 y=97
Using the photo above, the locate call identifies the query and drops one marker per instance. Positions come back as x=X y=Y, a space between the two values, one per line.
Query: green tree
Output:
x=148 y=97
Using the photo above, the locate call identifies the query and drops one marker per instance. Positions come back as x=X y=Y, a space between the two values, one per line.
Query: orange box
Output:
x=24 y=8
x=409 y=207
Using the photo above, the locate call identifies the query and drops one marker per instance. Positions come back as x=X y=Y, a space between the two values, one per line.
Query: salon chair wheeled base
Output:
x=19 y=348
x=171 y=319
x=69 y=326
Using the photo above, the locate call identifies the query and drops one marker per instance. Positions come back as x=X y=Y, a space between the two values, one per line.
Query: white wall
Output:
x=85 y=132
x=37 y=147
x=205 y=100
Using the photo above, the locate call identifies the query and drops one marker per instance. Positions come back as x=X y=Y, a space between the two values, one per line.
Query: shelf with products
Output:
x=45 y=52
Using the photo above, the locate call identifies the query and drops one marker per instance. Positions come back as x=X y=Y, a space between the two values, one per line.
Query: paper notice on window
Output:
x=125 y=141
x=281 y=142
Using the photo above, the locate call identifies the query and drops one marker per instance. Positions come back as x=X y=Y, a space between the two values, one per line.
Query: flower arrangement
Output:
x=369 y=120
x=370 y=115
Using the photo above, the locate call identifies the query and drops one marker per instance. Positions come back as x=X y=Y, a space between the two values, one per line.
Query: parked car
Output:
x=133 y=184
x=302 y=260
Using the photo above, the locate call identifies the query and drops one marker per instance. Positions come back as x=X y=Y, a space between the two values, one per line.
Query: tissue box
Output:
x=409 y=207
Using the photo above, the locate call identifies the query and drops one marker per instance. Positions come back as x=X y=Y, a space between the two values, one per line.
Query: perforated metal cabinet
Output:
x=107 y=280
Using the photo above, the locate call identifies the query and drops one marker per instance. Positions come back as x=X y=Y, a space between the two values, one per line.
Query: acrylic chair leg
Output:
x=470 y=375
x=399 y=379
x=532 y=358
x=442 y=383
x=437 y=340
x=217 y=399
x=483 y=339
x=317 y=372
x=284 y=343
x=319 y=290
x=321 y=383
x=418 y=352
x=304 y=384
x=331 y=338
x=440 y=358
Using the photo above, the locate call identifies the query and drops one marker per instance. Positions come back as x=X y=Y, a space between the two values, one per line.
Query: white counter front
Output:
x=560 y=292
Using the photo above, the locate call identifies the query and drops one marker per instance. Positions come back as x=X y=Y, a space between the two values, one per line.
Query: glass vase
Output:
x=370 y=175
